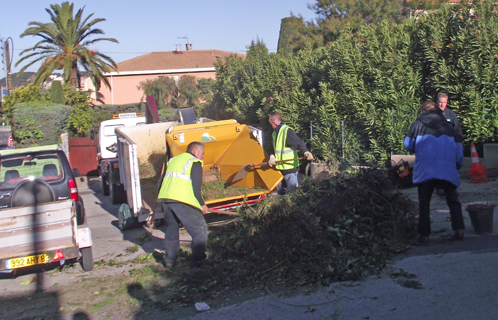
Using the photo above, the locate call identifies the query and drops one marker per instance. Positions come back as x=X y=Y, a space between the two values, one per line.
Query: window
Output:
x=18 y=168
x=110 y=131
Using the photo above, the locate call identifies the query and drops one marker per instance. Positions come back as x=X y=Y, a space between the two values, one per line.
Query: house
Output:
x=126 y=79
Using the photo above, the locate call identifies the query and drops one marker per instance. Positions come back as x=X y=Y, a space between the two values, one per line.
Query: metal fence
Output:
x=351 y=141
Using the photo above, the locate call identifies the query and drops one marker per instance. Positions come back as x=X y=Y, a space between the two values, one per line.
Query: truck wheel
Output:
x=103 y=184
x=126 y=220
x=86 y=259
x=117 y=194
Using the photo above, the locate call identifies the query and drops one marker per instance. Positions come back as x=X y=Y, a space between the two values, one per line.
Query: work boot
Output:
x=459 y=235
x=423 y=240
x=196 y=263
x=168 y=265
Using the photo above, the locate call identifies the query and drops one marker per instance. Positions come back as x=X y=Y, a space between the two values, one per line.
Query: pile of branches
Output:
x=344 y=227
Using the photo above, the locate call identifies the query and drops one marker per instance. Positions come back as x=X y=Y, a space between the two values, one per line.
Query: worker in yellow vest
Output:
x=180 y=195
x=286 y=145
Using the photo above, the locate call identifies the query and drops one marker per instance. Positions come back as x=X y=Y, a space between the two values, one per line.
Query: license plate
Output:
x=27 y=261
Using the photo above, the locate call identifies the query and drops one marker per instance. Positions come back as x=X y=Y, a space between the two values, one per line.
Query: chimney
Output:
x=188 y=46
x=178 y=48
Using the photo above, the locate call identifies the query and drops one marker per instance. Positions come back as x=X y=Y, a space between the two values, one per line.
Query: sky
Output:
x=158 y=25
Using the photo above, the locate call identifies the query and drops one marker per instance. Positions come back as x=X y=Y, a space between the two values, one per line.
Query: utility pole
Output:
x=8 y=63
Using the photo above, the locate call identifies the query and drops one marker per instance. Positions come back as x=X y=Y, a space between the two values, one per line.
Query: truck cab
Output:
x=107 y=153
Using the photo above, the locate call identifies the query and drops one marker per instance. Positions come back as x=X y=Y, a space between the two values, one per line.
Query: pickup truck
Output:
x=42 y=217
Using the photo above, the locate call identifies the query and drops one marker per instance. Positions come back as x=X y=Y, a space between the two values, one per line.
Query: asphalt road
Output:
x=108 y=241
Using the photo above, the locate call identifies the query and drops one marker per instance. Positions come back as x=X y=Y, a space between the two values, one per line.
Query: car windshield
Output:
x=17 y=168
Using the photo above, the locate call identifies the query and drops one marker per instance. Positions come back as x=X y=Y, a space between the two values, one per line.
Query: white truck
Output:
x=107 y=153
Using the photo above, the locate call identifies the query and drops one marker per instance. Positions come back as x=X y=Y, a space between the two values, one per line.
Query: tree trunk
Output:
x=73 y=77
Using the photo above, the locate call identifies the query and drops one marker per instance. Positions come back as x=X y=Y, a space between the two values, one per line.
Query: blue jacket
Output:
x=438 y=155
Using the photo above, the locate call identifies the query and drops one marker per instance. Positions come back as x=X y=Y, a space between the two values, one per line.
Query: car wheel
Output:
x=80 y=212
x=86 y=259
x=126 y=220
x=103 y=185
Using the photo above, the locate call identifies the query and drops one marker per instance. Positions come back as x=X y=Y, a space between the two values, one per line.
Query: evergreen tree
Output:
x=56 y=93
x=292 y=35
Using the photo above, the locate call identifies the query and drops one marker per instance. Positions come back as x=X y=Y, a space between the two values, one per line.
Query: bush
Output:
x=124 y=108
x=168 y=114
x=81 y=121
x=39 y=123
x=30 y=93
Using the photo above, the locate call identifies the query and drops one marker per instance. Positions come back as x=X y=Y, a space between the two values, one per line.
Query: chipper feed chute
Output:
x=228 y=147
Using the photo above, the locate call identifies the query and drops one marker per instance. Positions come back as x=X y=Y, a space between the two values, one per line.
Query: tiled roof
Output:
x=166 y=60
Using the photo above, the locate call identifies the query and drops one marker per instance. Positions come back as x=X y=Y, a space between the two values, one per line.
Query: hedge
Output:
x=39 y=123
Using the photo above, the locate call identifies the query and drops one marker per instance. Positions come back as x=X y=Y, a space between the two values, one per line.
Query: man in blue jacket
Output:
x=439 y=155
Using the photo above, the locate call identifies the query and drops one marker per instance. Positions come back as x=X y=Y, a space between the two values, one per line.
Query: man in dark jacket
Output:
x=442 y=100
x=286 y=145
x=439 y=155
x=450 y=116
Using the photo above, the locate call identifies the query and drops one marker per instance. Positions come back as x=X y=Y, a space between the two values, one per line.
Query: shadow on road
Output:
x=438 y=245
x=104 y=202
x=148 y=239
x=32 y=306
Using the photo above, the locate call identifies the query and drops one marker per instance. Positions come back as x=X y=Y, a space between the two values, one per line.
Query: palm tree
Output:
x=64 y=46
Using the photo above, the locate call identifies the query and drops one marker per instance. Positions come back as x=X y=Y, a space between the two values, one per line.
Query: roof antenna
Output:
x=188 y=46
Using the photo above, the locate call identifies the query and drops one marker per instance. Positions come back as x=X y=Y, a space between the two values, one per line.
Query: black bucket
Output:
x=481 y=216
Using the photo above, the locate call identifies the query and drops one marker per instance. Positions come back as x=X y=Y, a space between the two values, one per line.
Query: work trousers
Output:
x=195 y=224
x=289 y=182
x=425 y=190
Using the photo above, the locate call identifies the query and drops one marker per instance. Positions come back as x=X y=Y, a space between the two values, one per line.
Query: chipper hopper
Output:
x=228 y=147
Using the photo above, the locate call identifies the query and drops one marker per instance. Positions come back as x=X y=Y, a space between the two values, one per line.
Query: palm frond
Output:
x=64 y=45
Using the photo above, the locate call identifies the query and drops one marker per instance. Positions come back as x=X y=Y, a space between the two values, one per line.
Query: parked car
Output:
x=49 y=166
x=42 y=217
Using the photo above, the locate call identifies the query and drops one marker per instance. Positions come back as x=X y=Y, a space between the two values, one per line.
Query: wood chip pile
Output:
x=344 y=227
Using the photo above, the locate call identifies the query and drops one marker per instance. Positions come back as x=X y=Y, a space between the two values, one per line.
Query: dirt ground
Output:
x=139 y=289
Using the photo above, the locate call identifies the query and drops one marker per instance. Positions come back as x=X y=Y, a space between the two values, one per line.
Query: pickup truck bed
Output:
x=40 y=234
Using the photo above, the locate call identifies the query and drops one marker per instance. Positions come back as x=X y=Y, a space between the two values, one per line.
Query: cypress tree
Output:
x=56 y=93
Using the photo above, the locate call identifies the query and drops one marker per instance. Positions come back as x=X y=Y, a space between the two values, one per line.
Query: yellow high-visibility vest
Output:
x=282 y=152
x=177 y=182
